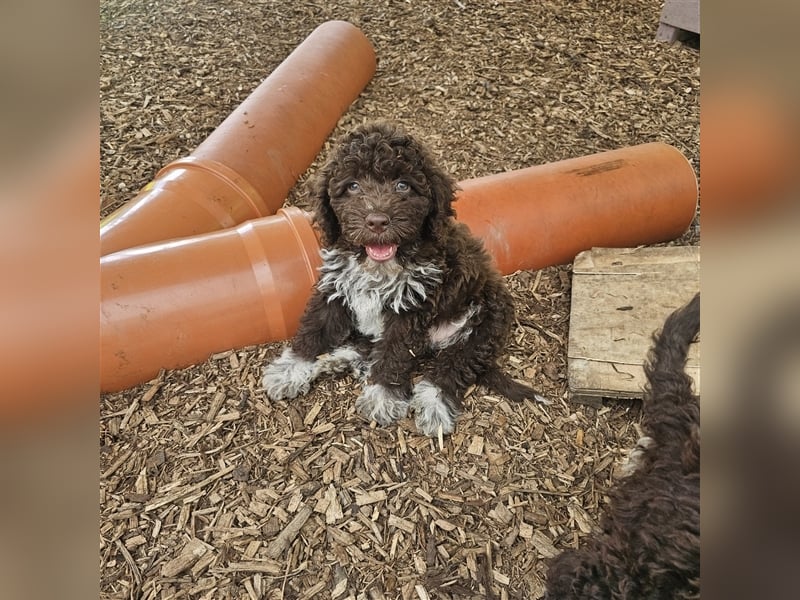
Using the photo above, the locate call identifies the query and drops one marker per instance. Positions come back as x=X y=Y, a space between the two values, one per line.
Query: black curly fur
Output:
x=385 y=152
x=420 y=223
x=649 y=544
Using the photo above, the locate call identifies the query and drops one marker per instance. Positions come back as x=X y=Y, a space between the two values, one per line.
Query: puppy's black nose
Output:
x=377 y=223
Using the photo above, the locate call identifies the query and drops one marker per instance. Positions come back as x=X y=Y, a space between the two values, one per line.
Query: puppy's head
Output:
x=381 y=192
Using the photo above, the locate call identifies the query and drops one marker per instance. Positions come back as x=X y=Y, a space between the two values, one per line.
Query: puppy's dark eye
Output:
x=353 y=186
x=402 y=186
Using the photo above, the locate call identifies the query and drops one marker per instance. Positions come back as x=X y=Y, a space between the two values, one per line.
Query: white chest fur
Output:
x=367 y=308
x=371 y=289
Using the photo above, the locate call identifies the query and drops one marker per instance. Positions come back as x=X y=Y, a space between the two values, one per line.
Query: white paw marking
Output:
x=378 y=403
x=288 y=376
x=431 y=409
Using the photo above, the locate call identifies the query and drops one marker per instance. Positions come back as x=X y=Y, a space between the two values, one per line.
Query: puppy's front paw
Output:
x=432 y=410
x=379 y=403
x=288 y=376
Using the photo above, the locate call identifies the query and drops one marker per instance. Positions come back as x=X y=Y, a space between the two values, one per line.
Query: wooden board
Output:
x=619 y=298
x=678 y=16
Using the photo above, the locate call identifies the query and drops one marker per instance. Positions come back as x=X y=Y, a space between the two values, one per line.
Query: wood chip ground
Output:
x=208 y=489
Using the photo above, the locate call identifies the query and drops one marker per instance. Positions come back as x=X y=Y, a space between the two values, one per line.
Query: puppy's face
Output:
x=380 y=212
x=381 y=193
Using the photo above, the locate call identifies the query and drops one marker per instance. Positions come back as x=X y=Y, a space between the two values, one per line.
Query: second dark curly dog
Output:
x=407 y=297
x=649 y=546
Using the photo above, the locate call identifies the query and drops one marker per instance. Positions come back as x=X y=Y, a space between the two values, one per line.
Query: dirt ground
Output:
x=210 y=490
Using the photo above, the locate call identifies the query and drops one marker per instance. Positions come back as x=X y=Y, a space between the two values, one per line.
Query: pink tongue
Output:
x=381 y=252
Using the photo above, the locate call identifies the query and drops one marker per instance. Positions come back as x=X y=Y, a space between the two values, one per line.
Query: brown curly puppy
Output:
x=407 y=298
x=649 y=546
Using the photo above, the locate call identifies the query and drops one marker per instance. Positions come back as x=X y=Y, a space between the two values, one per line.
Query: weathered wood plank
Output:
x=619 y=298
x=678 y=16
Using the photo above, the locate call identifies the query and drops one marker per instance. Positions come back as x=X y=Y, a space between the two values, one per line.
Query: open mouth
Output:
x=381 y=252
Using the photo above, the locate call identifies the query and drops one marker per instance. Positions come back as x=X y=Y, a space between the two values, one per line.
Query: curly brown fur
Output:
x=405 y=291
x=649 y=545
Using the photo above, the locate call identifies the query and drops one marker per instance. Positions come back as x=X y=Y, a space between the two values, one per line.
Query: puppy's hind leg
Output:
x=316 y=349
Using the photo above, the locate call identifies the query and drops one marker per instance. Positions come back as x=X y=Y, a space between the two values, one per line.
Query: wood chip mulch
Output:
x=210 y=490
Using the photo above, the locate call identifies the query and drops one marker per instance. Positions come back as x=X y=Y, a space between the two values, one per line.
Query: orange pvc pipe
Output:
x=547 y=214
x=246 y=167
x=173 y=304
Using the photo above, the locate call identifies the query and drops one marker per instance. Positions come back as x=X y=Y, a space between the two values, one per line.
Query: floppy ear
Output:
x=324 y=217
x=442 y=189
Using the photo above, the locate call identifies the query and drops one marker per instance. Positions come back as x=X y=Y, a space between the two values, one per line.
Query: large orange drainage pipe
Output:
x=173 y=304
x=547 y=214
x=245 y=168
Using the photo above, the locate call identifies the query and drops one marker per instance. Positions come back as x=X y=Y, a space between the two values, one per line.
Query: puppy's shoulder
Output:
x=464 y=255
x=461 y=242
